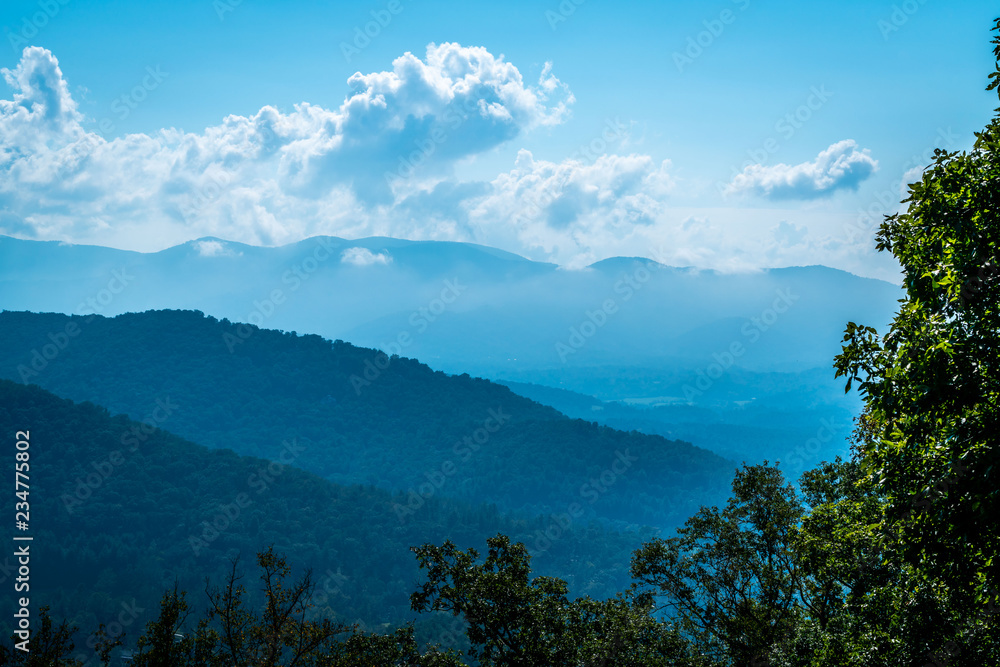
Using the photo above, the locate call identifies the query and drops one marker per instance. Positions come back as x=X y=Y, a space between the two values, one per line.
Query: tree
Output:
x=166 y=641
x=50 y=645
x=398 y=648
x=281 y=634
x=866 y=607
x=731 y=577
x=929 y=436
x=517 y=622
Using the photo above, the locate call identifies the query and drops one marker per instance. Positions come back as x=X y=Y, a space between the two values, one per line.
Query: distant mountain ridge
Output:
x=751 y=353
x=508 y=313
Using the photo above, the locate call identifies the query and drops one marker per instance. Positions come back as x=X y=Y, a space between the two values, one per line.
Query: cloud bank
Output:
x=271 y=177
x=388 y=161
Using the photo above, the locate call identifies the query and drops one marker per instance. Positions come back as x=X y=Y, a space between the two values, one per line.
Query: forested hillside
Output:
x=116 y=525
x=359 y=416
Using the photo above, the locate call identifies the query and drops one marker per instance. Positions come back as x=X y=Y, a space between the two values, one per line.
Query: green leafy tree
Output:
x=931 y=384
x=280 y=634
x=841 y=556
x=514 y=621
x=166 y=641
x=396 y=649
x=731 y=578
x=864 y=607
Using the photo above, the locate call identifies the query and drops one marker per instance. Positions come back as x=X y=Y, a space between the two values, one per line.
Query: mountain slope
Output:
x=359 y=416
x=623 y=329
x=114 y=525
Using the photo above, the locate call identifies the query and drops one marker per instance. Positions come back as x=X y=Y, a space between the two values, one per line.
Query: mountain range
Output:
x=738 y=363
x=462 y=307
x=348 y=400
x=356 y=416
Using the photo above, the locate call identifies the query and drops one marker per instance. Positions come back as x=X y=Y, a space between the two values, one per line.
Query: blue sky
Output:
x=733 y=134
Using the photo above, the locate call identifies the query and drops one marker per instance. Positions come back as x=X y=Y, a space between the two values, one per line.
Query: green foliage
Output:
x=870 y=607
x=282 y=633
x=360 y=417
x=512 y=622
x=117 y=535
x=731 y=577
x=905 y=536
x=49 y=645
x=932 y=382
x=396 y=649
x=166 y=640
x=515 y=621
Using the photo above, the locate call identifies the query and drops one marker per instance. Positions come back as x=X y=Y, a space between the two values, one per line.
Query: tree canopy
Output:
x=928 y=437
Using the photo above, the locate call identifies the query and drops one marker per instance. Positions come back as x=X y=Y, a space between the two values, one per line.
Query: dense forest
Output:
x=359 y=416
x=116 y=525
x=890 y=558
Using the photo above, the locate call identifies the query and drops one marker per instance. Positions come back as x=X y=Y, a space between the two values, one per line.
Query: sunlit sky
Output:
x=733 y=134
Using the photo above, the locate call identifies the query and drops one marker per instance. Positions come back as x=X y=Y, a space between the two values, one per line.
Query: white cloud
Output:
x=364 y=257
x=42 y=112
x=268 y=178
x=383 y=163
x=570 y=209
x=841 y=166
x=789 y=235
x=214 y=248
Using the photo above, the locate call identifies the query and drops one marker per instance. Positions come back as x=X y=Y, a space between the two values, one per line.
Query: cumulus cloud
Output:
x=841 y=166
x=364 y=257
x=571 y=208
x=42 y=112
x=268 y=178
